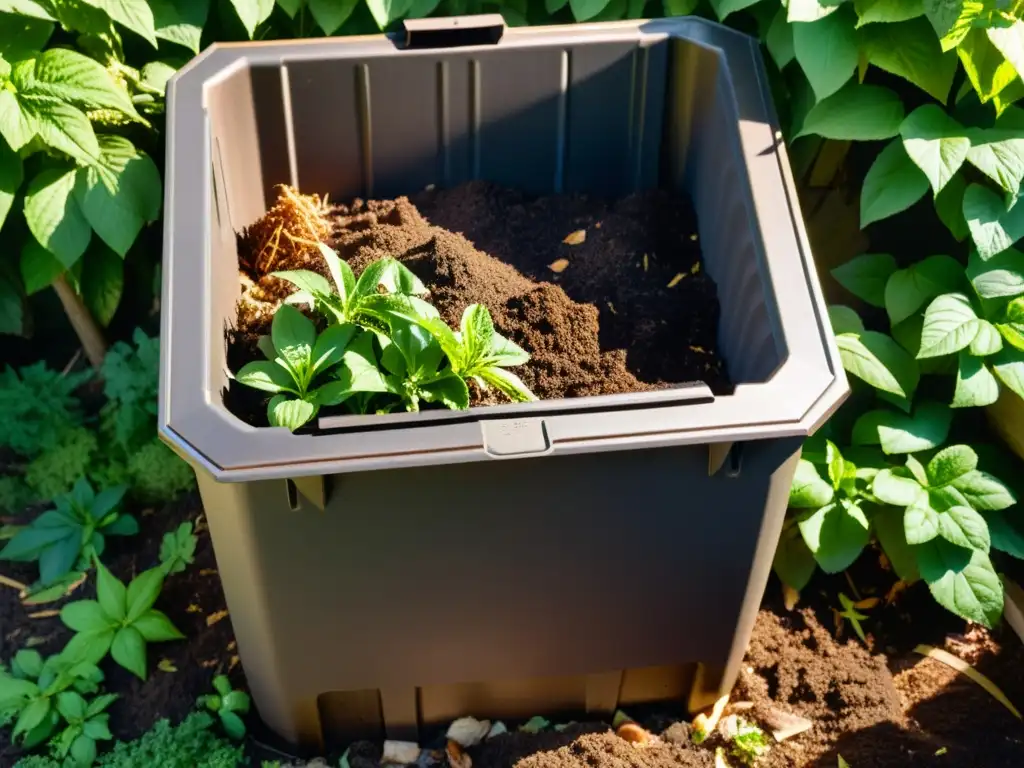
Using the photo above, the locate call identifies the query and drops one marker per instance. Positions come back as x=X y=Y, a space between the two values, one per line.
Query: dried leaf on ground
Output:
x=213 y=618
x=558 y=265
x=966 y=669
x=44 y=614
x=575 y=238
x=785 y=725
x=676 y=280
x=9 y=582
x=704 y=724
x=166 y=665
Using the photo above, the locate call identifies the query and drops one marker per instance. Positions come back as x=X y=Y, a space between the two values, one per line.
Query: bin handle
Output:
x=453 y=31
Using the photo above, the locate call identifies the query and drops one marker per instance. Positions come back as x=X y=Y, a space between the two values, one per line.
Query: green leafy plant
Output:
x=39 y=407
x=229 y=705
x=749 y=743
x=56 y=470
x=178 y=549
x=131 y=383
x=120 y=621
x=86 y=723
x=72 y=533
x=416 y=368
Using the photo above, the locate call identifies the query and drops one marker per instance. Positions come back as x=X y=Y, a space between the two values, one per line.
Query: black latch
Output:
x=453 y=31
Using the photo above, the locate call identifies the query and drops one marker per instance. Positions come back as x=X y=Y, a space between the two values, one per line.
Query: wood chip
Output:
x=208 y=572
x=785 y=725
x=9 y=582
x=645 y=262
x=842 y=763
x=166 y=665
x=32 y=642
x=44 y=614
x=633 y=733
x=790 y=597
x=895 y=591
x=575 y=238
x=232 y=645
x=558 y=265
x=233 y=663
x=193 y=608
x=611 y=307
x=867 y=603
x=208 y=664
x=213 y=618
x=966 y=669
x=676 y=280
x=696 y=267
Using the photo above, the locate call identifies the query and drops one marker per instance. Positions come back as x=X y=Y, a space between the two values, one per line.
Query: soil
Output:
x=607 y=323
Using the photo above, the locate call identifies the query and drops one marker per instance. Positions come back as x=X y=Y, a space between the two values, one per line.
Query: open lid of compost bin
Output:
x=801 y=386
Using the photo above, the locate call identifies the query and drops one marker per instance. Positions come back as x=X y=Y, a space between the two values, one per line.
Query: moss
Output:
x=55 y=470
x=157 y=474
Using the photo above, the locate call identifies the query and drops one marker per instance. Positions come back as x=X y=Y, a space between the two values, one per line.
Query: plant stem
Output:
x=82 y=321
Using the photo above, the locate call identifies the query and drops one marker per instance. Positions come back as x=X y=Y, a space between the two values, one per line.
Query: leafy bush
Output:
x=131 y=383
x=56 y=469
x=39 y=408
x=229 y=705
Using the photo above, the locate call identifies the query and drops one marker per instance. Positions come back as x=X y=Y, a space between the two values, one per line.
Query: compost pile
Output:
x=583 y=285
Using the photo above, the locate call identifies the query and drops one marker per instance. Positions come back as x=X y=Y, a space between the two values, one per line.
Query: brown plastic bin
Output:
x=387 y=572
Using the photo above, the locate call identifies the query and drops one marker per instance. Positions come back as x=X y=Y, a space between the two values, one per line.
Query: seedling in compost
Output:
x=178 y=549
x=87 y=723
x=228 y=705
x=71 y=533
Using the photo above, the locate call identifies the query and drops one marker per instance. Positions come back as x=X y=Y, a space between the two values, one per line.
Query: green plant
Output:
x=131 y=384
x=86 y=723
x=36 y=693
x=71 y=533
x=39 y=407
x=749 y=743
x=156 y=474
x=415 y=368
x=120 y=621
x=228 y=705
x=178 y=549
x=55 y=470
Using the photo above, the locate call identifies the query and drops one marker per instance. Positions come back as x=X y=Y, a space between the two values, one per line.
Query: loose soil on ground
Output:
x=597 y=317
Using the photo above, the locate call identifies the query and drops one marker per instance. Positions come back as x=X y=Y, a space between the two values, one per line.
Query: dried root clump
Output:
x=286 y=236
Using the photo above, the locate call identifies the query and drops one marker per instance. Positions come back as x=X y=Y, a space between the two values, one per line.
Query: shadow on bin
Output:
x=387 y=572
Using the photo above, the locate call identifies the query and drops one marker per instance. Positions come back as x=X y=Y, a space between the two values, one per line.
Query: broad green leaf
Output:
x=999 y=154
x=143 y=592
x=950 y=324
x=936 y=143
x=449 y=390
x=102 y=282
x=1007 y=532
x=330 y=346
x=29 y=662
x=844 y=319
x=155 y=627
x=1008 y=366
x=59 y=558
x=836 y=464
x=908 y=289
x=39 y=267
x=836 y=534
x=951 y=463
x=135 y=15
x=31 y=716
x=16 y=126
x=89 y=646
x=949 y=206
x=156 y=74
x=233 y=725
x=11 y=176
x=962 y=580
x=71 y=705
x=62 y=127
x=1009 y=41
x=180 y=21
x=507 y=383
x=856 y=113
x=865 y=276
x=827 y=51
x=899 y=433
x=892 y=184
x=97 y=729
x=236 y=701
x=331 y=14
x=965 y=528
x=724 y=8
x=984 y=492
x=292 y=7
x=909 y=50
x=119 y=194
x=920 y=523
x=385 y=12
x=63 y=74
x=265 y=375
x=888 y=527
x=878 y=360
x=895 y=489
x=291 y=413
x=810 y=10
x=294 y=336
x=988 y=340
x=83 y=750
x=1000 y=276
x=54 y=217
x=420 y=9
x=29 y=8
x=1013 y=333
x=993 y=228
x=793 y=562
x=671 y=7
x=976 y=386
x=779 y=40
x=987 y=68
x=306 y=280
x=252 y=13
x=129 y=650
x=85 y=616
x=887 y=11
x=953 y=19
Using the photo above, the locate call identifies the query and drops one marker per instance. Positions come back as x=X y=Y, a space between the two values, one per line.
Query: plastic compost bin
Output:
x=388 y=572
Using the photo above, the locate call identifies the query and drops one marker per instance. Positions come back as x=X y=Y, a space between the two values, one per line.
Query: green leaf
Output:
x=887 y=11
x=89 y=646
x=1000 y=276
x=135 y=15
x=156 y=74
x=305 y=280
x=844 y=319
x=31 y=716
x=507 y=383
x=129 y=650
x=233 y=725
x=236 y=701
x=878 y=360
x=54 y=216
x=143 y=592
x=11 y=176
x=1007 y=532
x=39 y=267
x=909 y=50
x=294 y=336
x=1008 y=365
x=450 y=390
x=950 y=324
x=984 y=492
x=976 y=386
x=155 y=627
x=993 y=228
x=252 y=13
x=810 y=10
x=836 y=534
x=387 y=11
x=60 y=126
x=119 y=194
x=330 y=346
x=267 y=376
x=102 y=282
x=331 y=14
x=898 y=433
x=71 y=705
x=896 y=490
x=724 y=8
x=888 y=527
x=100 y=703
x=290 y=413
x=827 y=52
x=988 y=340
x=793 y=562
x=950 y=463
x=68 y=76
x=180 y=21
x=987 y=68
x=16 y=126
x=893 y=183
x=965 y=528
x=29 y=8
x=856 y=113
x=908 y=289
x=962 y=580
x=83 y=750
x=97 y=730
x=779 y=40
x=920 y=523
x=1009 y=41
x=85 y=616
x=59 y=558
x=809 y=489
x=953 y=20
x=936 y=143
x=999 y=154
x=865 y=276
x=949 y=205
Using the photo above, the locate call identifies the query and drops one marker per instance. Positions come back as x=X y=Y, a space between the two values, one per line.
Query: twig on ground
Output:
x=9 y=582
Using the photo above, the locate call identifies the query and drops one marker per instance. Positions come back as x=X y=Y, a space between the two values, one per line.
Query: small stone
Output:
x=677 y=733
x=468 y=731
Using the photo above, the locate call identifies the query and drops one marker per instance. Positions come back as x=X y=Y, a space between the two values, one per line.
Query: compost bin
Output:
x=387 y=572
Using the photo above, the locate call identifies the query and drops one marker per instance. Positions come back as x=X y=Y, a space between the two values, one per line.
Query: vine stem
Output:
x=82 y=321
